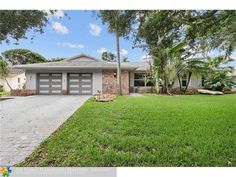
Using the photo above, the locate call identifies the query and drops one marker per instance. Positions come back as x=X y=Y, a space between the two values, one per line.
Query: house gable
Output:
x=82 y=57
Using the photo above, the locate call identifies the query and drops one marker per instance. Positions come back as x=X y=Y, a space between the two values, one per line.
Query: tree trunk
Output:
x=180 y=84
x=163 y=77
x=8 y=84
x=189 y=77
x=165 y=85
x=118 y=64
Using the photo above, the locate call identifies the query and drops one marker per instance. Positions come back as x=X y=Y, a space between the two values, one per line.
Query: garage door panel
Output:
x=56 y=75
x=55 y=80
x=84 y=75
x=86 y=82
x=50 y=83
x=85 y=92
x=74 y=87
x=42 y=75
x=73 y=83
x=86 y=86
x=56 y=86
x=44 y=88
x=56 y=83
x=44 y=82
x=55 y=91
x=43 y=91
x=86 y=89
x=74 y=75
x=73 y=80
x=80 y=83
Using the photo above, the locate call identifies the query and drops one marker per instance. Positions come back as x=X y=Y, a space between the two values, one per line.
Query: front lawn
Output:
x=153 y=130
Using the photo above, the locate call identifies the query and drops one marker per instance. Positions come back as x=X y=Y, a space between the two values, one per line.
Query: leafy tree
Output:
x=219 y=80
x=119 y=23
x=15 y=23
x=125 y=59
x=160 y=33
x=174 y=66
x=4 y=70
x=203 y=31
x=108 y=56
x=23 y=56
x=219 y=74
x=56 y=59
x=212 y=29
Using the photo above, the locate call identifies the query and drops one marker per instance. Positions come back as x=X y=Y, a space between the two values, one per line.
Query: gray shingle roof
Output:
x=77 y=64
x=141 y=66
x=91 y=63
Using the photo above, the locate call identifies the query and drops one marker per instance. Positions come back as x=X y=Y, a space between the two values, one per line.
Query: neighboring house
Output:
x=86 y=75
x=16 y=80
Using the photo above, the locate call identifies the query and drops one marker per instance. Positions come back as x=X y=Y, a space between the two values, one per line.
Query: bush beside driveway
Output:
x=197 y=130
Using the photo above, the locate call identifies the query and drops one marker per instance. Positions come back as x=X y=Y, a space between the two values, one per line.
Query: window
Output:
x=139 y=79
x=114 y=74
x=203 y=80
x=18 y=79
x=184 y=80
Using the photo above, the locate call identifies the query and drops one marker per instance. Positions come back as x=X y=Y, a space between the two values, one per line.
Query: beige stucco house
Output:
x=16 y=80
x=86 y=75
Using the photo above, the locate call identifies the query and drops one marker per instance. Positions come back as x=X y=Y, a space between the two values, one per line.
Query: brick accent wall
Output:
x=109 y=82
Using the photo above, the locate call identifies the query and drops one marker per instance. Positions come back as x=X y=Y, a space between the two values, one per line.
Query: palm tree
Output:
x=112 y=18
x=4 y=71
x=174 y=64
x=119 y=23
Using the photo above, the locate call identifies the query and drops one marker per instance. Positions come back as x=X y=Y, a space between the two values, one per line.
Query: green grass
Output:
x=196 y=130
x=5 y=93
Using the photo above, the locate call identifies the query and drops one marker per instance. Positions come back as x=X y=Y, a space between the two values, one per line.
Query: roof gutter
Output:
x=68 y=67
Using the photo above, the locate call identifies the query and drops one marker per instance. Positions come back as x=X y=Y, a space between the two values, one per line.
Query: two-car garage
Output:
x=77 y=83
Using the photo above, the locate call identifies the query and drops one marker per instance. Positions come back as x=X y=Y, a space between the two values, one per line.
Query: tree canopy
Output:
x=4 y=70
x=108 y=56
x=15 y=23
x=56 y=59
x=202 y=31
x=23 y=56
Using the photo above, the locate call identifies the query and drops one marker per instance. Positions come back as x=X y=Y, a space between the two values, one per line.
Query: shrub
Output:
x=22 y=92
x=218 y=80
x=1 y=88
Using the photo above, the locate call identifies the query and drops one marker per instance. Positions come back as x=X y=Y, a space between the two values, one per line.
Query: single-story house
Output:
x=86 y=75
x=16 y=79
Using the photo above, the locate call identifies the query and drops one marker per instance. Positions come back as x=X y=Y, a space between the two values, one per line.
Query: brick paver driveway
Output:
x=27 y=121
